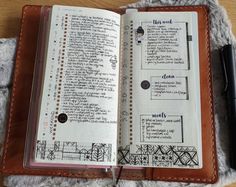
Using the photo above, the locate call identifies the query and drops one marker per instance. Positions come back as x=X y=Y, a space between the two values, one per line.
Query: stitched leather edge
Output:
x=213 y=148
x=17 y=64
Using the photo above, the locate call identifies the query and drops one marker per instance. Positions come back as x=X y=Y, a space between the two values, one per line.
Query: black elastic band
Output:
x=119 y=174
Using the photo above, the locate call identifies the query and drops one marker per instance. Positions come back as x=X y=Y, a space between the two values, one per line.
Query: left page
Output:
x=79 y=102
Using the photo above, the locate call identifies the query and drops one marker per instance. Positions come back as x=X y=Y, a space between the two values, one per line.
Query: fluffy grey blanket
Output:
x=220 y=35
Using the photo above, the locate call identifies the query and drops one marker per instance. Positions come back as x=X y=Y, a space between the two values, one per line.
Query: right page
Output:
x=160 y=113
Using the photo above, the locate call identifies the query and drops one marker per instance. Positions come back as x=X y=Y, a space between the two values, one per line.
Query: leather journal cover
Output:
x=13 y=153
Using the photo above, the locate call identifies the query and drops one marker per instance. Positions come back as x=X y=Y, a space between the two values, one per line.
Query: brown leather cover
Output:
x=12 y=160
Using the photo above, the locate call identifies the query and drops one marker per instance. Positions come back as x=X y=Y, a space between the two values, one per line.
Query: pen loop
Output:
x=224 y=69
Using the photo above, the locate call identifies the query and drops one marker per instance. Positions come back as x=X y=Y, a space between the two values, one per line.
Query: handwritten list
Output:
x=165 y=46
x=80 y=92
x=91 y=48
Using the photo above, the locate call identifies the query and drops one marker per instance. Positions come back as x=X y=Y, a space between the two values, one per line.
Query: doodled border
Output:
x=76 y=151
x=159 y=156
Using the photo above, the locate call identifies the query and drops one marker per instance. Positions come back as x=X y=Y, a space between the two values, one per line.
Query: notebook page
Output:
x=160 y=97
x=78 y=112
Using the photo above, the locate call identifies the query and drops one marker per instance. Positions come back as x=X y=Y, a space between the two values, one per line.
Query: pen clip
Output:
x=224 y=69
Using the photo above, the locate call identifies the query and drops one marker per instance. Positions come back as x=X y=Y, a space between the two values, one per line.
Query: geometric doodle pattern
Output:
x=158 y=155
x=97 y=152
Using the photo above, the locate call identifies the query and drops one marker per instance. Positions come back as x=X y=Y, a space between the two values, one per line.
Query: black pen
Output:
x=229 y=64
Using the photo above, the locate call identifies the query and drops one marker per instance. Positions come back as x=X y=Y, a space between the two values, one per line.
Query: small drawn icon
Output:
x=62 y=118
x=145 y=84
x=51 y=155
x=139 y=35
x=113 y=61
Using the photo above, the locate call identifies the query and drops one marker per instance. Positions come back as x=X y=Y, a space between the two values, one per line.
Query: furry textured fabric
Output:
x=220 y=35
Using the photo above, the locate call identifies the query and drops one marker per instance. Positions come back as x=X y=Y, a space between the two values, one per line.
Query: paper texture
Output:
x=79 y=104
x=160 y=95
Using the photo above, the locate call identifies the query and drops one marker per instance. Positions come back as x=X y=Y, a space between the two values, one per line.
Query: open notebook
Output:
x=112 y=88
x=120 y=89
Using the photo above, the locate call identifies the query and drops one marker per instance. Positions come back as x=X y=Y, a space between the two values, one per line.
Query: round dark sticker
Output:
x=62 y=118
x=145 y=84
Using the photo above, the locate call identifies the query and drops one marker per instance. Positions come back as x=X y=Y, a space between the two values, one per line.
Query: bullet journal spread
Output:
x=120 y=90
